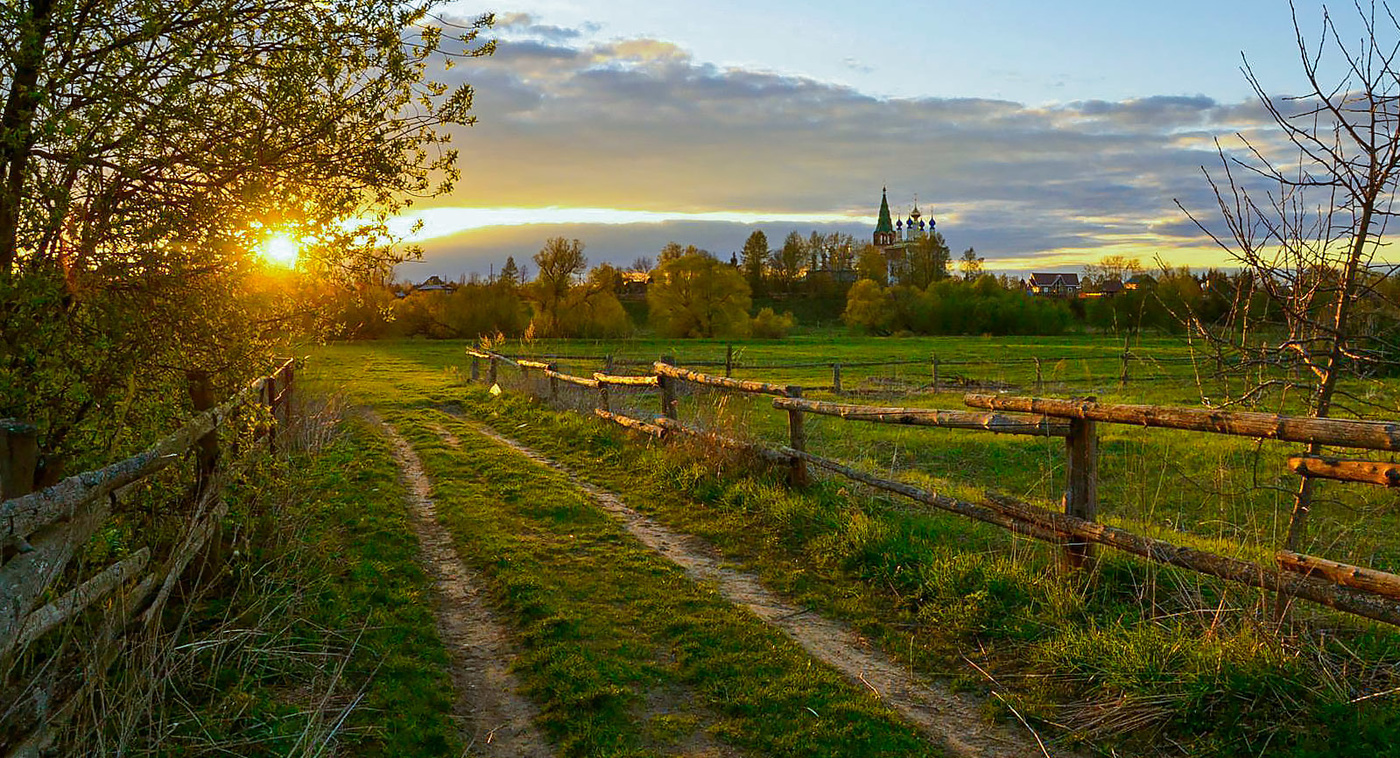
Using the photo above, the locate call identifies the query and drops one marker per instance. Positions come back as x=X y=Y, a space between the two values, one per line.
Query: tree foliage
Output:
x=697 y=296
x=146 y=148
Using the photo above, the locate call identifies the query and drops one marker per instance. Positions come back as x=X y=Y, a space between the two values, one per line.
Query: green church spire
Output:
x=884 y=224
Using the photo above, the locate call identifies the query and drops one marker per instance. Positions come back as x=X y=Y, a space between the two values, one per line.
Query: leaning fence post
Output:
x=836 y=378
x=491 y=376
x=553 y=383
x=287 y=392
x=728 y=360
x=668 y=390
x=270 y=393
x=207 y=447
x=1039 y=386
x=476 y=368
x=19 y=457
x=1082 y=485
x=604 y=401
x=608 y=364
x=797 y=432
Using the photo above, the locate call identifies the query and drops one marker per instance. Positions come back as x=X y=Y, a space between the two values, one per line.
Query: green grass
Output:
x=625 y=655
x=1146 y=653
x=322 y=609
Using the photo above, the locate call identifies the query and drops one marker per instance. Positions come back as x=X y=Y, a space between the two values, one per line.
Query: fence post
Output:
x=935 y=372
x=797 y=431
x=1039 y=386
x=608 y=364
x=206 y=447
x=836 y=378
x=270 y=393
x=19 y=457
x=668 y=390
x=1123 y=376
x=288 y=390
x=604 y=401
x=476 y=369
x=728 y=360
x=1082 y=485
x=553 y=384
x=491 y=377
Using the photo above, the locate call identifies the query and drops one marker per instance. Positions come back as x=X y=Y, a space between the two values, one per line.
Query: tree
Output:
x=755 y=255
x=873 y=265
x=510 y=273
x=970 y=264
x=697 y=296
x=1111 y=268
x=1307 y=228
x=146 y=149
x=787 y=262
x=560 y=262
x=671 y=251
x=926 y=261
x=642 y=265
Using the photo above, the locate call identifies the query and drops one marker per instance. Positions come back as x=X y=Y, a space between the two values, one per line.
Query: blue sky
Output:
x=1045 y=135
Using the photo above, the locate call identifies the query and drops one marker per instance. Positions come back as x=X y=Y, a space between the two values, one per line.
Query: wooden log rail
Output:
x=626 y=381
x=571 y=379
x=63 y=517
x=1038 y=426
x=1344 y=574
x=1368 y=435
x=523 y=363
x=1381 y=473
x=709 y=380
x=630 y=423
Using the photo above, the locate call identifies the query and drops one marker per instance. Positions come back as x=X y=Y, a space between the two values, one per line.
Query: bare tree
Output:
x=1305 y=217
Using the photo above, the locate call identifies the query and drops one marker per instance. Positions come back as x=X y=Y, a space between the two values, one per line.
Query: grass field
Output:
x=1134 y=657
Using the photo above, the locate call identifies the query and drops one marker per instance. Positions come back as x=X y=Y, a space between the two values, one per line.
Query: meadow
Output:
x=1132 y=657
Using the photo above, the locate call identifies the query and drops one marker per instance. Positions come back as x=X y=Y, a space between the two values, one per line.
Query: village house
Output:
x=1054 y=285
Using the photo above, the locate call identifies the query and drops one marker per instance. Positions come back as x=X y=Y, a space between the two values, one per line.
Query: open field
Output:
x=1139 y=659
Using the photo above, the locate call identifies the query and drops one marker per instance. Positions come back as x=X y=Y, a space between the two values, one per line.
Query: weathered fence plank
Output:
x=738 y=385
x=1344 y=574
x=1038 y=426
x=626 y=381
x=1370 y=435
x=629 y=422
x=1369 y=472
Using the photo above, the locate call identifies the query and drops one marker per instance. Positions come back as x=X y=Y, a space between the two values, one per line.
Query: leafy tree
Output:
x=873 y=266
x=697 y=296
x=866 y=308
x=841 y=247
x=605 y=277
x=755 y=256
x=925 y=262
x=1111 y=268
x=671 y=251
x=768 y=325
x=510 y=273
x=560 y=262
x=788 y=261
x=146 y=149
x=970 y=264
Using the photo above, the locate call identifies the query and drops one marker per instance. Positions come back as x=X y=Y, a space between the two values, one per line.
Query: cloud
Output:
x=570 y=121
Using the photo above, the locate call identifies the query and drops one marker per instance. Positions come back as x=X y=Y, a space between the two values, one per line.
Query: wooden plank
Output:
x=523 y=363
x=1383 y=473
x=709 y=380
x=571 y=379
x=1038 y=426
x=21 y=516
x=1323 y=592
x=1344 y=574
x=629 y=381
x=47 y=618
x=629 y=422
x=1369 y=435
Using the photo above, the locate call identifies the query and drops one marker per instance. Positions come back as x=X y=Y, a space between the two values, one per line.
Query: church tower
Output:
x=884 y=228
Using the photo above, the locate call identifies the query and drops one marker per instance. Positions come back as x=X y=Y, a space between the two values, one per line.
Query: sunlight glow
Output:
x=280 y=250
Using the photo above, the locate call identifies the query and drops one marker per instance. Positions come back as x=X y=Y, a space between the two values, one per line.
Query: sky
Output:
x=1044 y=135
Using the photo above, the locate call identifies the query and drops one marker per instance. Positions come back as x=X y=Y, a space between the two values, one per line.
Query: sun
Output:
x=280 y=250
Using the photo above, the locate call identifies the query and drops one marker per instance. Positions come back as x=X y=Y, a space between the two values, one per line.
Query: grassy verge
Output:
x=1140 y=657
x=316 y=635
x=625 y=654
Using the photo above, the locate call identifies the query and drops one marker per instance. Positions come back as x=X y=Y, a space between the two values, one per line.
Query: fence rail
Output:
x=1360 y=591
x=42 y=532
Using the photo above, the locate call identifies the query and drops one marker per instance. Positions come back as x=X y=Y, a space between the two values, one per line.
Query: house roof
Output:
x=1053 y=280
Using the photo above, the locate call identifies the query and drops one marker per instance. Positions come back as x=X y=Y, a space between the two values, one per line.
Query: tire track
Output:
x=952 y=718
x=500 y=722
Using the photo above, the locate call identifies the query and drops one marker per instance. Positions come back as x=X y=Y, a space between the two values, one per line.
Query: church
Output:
x=895 y=238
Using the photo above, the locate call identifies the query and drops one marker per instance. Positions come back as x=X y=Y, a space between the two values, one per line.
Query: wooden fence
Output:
x=1353 y=589
x=42 y=532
